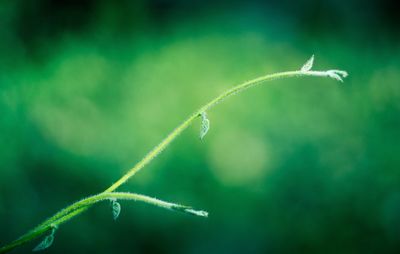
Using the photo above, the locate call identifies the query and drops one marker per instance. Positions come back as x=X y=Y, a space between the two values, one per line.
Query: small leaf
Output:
x=308 y=65
x=205 y=125
x=47 y=241
x=116 y=208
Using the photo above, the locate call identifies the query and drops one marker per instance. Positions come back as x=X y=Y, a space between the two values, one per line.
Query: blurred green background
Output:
x=306 y=165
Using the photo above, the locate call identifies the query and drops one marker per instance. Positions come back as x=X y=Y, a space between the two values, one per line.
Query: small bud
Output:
x=200 y=213
x=205 y=125
x=337 y=74
x=189 y=210
x=116 y=208
x=308 y=65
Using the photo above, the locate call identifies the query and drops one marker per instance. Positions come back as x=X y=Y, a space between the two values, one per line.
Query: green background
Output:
x=306 y=165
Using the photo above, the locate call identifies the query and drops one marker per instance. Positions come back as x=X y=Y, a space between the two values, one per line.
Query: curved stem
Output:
x=79 y=207
x=239 y=88
x=82 y=205
x=127 y=196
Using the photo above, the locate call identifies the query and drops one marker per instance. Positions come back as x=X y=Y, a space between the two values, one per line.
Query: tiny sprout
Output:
x=200 y=213
x=205 y=125
x=337 y=74
x=308 y=65
x=189 y=210
x=116 y=208
x=47 y=241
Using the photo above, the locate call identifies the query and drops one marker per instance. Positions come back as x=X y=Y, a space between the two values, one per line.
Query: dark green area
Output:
x=306 y=165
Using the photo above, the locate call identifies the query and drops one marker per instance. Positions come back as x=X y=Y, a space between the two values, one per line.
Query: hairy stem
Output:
x=81 y=206
x=239 y=88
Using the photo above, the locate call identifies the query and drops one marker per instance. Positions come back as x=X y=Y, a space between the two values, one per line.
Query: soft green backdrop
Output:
x=305 y=165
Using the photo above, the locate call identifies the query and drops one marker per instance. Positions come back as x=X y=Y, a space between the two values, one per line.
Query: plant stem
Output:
x=81 y=206
x=161 y=146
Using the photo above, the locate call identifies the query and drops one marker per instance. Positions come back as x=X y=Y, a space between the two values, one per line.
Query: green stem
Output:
x=239 y=88
x=81 y=206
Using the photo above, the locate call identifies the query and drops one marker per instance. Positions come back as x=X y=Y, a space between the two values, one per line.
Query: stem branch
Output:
x=81 y=206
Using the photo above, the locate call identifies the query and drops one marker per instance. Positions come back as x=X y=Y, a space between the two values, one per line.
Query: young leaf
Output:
x=205 y=125
x=308 y=65
x=337 y=74
x=47 y=241
x=189 y=210
x=116 y=208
